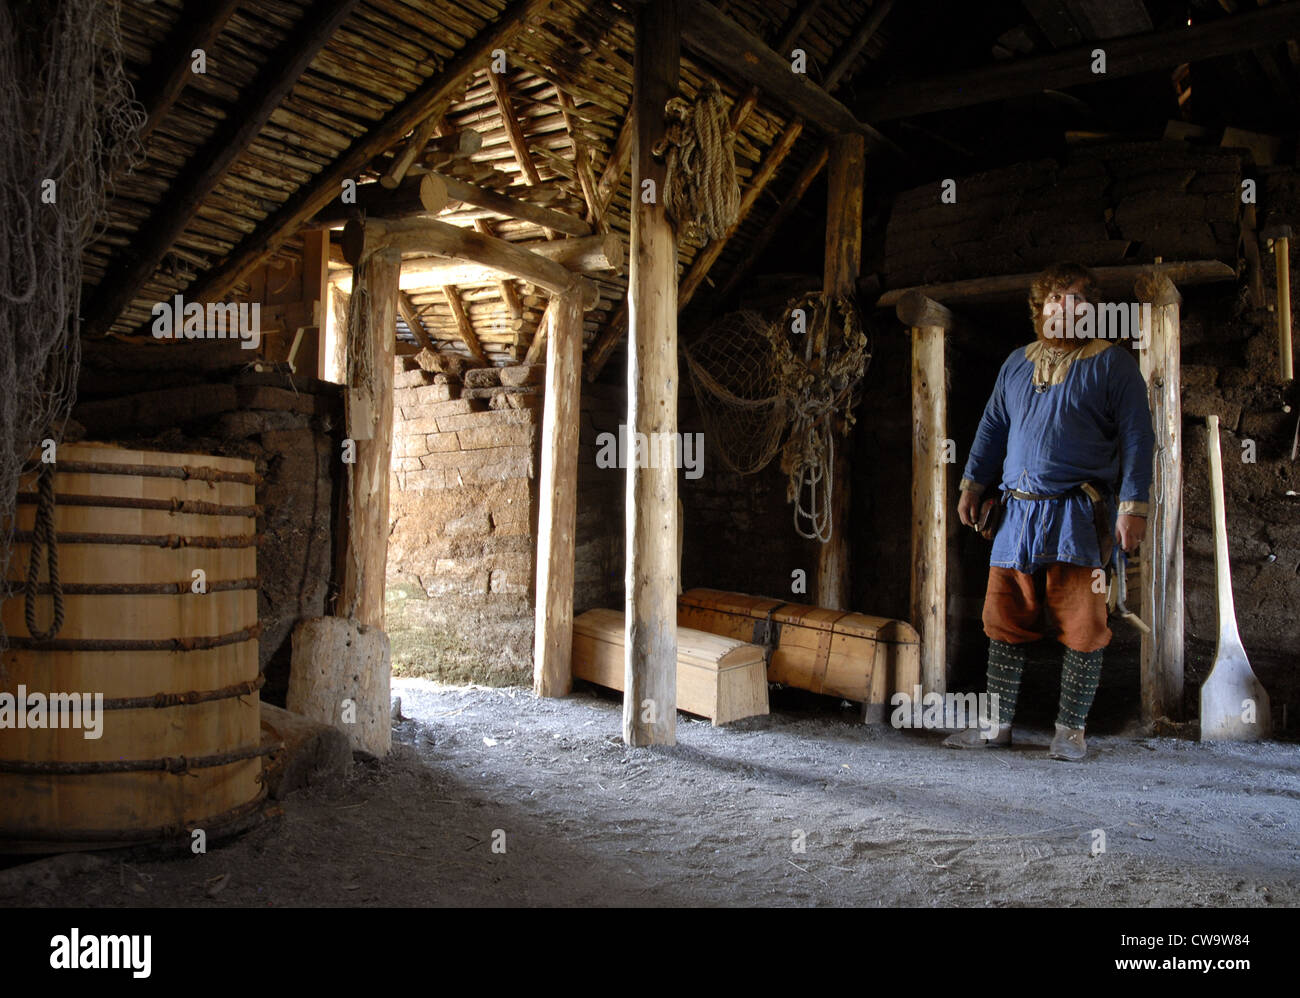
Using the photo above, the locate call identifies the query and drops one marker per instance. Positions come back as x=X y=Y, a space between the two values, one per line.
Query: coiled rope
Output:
x=701 y=191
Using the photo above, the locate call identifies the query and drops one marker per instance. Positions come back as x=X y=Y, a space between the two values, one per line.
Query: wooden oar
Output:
x=1234 y=705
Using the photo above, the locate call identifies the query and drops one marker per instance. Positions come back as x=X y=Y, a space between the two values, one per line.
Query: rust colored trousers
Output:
x=1056 y=601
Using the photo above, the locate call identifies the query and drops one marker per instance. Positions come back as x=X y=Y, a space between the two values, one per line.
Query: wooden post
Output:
x=558 y=494
x=1162 y=558
x=361 y=592
x=929 y=320
x=650 y=642
x=843 y=263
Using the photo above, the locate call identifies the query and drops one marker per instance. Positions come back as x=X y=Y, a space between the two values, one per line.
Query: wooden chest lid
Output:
x=743 y=604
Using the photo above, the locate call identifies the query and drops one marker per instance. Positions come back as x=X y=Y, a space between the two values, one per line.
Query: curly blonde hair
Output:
x=1056 y=277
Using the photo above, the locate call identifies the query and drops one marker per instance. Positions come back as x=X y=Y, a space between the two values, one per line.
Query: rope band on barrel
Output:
x=196 y=472
x=145 y=588
x=177 y=765
x=145 y=540
x=202 y=643
x=163 y=700
x=172 y=505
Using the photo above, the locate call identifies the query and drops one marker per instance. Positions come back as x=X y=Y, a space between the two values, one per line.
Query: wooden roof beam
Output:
x=1072 y=67
x=464 y=325
x=411 y=316
x=328 y=184
x=428 y=235
x=209 y=165
x=198 y=27
x=719 y=41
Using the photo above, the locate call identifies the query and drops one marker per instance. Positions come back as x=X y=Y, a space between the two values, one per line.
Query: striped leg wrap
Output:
x=1006 y=663
x=1080 y=676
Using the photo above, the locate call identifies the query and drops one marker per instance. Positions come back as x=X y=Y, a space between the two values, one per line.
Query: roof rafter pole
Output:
x=514 y=133
x=316 y=194
x=790 y=202
x=856 y=44
x=1072 y=67
x=190 y=34
x=505 y=285
x=719 y=41
x=619 y=158
x=411 y=316
x=413 y=149
x=650 y=624
x=463 y=324
x=210 y=164
x=582 y=164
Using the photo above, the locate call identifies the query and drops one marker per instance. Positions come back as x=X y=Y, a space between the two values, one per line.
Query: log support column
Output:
x=929 y=321
x=843 y=265
x=361 y=593
x=1162 y=555
x=650 y=640
x=558 y=506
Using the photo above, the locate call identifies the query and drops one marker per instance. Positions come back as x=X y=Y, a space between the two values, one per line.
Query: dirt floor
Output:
x=885 y=817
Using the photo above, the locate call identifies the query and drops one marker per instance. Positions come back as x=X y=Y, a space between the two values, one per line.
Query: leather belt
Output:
x=1086 y=489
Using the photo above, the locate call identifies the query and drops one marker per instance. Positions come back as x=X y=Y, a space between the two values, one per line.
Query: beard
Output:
x=1059 y=341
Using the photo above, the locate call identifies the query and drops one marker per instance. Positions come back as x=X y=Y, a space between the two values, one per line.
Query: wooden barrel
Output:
x=179 y=745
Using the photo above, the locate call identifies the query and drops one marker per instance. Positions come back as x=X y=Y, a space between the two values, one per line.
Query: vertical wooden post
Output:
x=558 y=505
x=929 y=320
x=843 y=265
x=650 y=640
x=361 y=593
x=1162 y=559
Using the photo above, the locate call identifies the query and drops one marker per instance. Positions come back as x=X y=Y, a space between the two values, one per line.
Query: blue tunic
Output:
x=1095 y=426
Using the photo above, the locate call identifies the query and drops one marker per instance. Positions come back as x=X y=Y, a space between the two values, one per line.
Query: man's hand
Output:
x=968 y=509
x=1129 y=531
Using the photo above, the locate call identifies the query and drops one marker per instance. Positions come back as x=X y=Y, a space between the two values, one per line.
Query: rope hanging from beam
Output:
x=701 y=192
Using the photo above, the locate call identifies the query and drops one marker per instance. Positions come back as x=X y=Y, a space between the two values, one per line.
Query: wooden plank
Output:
x=463 y=324
x=1072 y=67
x=558 y=502
x=650 y=646
x=1162 y=561
x=210 y=164
x=841 y=269
x=361 y=589
x=929 y=505
x=328 y=184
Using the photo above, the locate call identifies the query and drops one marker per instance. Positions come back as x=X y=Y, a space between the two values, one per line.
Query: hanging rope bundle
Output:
x=43 y=536
x=821 y=394
x=700 y=188
x=752 y=387
x=68 y=123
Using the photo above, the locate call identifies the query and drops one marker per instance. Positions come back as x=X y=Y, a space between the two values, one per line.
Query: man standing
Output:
x=1066 y=427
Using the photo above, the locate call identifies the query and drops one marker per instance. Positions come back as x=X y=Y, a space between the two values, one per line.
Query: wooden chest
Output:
x=850 y=655
x=717 y=677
